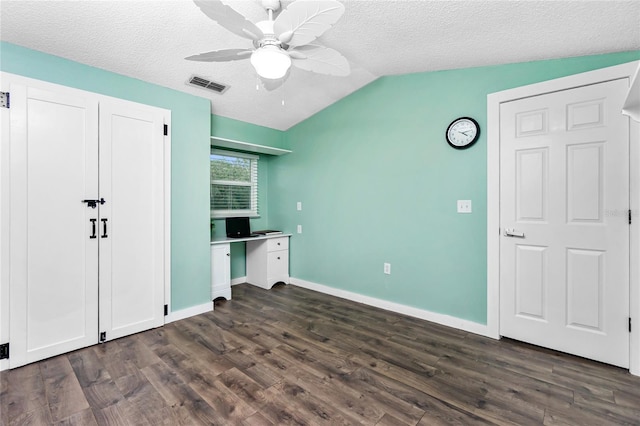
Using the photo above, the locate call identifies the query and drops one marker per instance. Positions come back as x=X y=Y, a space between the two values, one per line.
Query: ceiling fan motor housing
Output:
x=269 y=38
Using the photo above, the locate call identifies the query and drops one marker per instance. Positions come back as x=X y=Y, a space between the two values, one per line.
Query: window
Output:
x=234 y=184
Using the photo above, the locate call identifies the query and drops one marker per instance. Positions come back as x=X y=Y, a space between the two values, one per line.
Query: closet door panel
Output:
x=132 y=252
x=54 y=279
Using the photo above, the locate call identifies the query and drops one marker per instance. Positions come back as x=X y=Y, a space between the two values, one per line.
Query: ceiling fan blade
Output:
x=307 y=20
x=221 y=55
x=321 y=60
x=229 y=19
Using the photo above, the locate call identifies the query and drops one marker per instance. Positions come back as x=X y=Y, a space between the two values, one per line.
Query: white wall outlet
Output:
x=299 y=205
x=299 y=229
x=387 y=268
x=464 y=206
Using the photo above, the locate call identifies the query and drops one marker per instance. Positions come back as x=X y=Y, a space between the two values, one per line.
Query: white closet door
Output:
x=132 y=218
x=53 y=259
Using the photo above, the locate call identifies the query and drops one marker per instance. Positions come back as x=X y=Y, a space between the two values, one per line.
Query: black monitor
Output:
x=238 y=227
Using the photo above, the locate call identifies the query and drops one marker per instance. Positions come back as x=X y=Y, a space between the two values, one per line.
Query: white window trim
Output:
x=254 y=212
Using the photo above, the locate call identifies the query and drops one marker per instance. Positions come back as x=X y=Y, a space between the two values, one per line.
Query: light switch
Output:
x=464 y=206
x=299 y=205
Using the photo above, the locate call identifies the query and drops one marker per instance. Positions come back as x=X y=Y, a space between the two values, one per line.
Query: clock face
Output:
x=463 y=132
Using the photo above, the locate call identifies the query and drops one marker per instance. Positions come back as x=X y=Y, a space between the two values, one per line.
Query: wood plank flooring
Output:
x=293 y=356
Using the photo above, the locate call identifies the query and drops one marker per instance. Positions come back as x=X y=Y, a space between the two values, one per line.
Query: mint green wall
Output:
x=377 y=181
x=190 y=125
x=379 y=184
x=238 y=130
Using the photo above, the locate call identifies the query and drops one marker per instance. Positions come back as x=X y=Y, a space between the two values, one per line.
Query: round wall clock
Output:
x=463 y=132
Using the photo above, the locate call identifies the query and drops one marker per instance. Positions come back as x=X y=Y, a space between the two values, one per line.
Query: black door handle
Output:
x=104 y=228
x=93 y=228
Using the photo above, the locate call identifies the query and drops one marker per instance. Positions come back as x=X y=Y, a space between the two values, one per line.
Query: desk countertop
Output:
x=238 y=240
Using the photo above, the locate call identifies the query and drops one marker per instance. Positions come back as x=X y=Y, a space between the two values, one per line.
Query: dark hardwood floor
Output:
x=294 y=356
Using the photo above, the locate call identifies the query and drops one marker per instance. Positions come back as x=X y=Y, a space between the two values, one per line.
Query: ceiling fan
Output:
x=281 y=42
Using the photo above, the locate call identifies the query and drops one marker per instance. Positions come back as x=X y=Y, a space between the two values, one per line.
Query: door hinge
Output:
x=4 y=351
x=5 y=99
x=166 y=130
x=103 y=336
x=629 y=324
x=629 y=216
x=166 y=310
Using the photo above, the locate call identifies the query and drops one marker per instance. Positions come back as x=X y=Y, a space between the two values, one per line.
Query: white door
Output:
x=53 y=257
x=132 y=218
x=564 y=198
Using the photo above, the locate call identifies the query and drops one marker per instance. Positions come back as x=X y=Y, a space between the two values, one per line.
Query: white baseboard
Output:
x=4 y=364
x=188 y=312
x=239 y=280
x=449 y=321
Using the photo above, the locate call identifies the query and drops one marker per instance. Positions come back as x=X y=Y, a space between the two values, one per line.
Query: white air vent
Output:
x=207 y=84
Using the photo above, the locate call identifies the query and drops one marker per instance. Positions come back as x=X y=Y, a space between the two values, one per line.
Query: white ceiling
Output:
x=148 y=40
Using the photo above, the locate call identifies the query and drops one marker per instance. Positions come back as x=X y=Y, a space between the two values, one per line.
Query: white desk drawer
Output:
x=274 y=244
x=278 y=265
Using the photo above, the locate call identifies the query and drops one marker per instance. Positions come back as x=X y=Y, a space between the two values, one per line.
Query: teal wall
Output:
x=379 y=184
x=190 y=128
x=238 y=130
x=377 y=181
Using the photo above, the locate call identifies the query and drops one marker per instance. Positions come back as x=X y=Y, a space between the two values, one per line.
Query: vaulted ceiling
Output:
x=149 y=39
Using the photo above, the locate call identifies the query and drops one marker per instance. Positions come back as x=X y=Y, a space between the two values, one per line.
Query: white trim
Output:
x=239 y=280
x=167 y=211
x=252 y=185
x=634 y=250
x=188 y=312
x=5 y=136
x=447 y=320
x=493 y=193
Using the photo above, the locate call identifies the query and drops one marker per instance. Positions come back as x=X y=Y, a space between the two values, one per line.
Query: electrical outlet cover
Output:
x=464 y=206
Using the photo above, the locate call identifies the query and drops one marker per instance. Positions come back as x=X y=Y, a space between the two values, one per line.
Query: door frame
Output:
x=494 y=100
x=6 y=80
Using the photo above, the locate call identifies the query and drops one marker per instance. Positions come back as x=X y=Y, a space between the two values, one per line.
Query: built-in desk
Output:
x=267 y=262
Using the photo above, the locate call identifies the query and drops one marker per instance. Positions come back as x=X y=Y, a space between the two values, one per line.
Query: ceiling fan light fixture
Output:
x=271 y=62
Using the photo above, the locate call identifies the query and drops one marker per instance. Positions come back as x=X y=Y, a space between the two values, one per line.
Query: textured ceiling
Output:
x=148 y=40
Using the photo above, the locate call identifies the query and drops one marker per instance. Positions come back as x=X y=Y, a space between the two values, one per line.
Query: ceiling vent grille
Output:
x=207 y=84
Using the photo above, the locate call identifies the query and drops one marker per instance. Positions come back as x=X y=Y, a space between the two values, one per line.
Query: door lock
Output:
x=94 y=203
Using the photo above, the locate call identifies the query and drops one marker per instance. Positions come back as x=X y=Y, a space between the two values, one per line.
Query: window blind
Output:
x=234 y=184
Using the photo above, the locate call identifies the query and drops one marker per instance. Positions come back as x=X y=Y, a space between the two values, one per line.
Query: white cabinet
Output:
x=268 y=262
x=86 y=210
x=221 y=271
